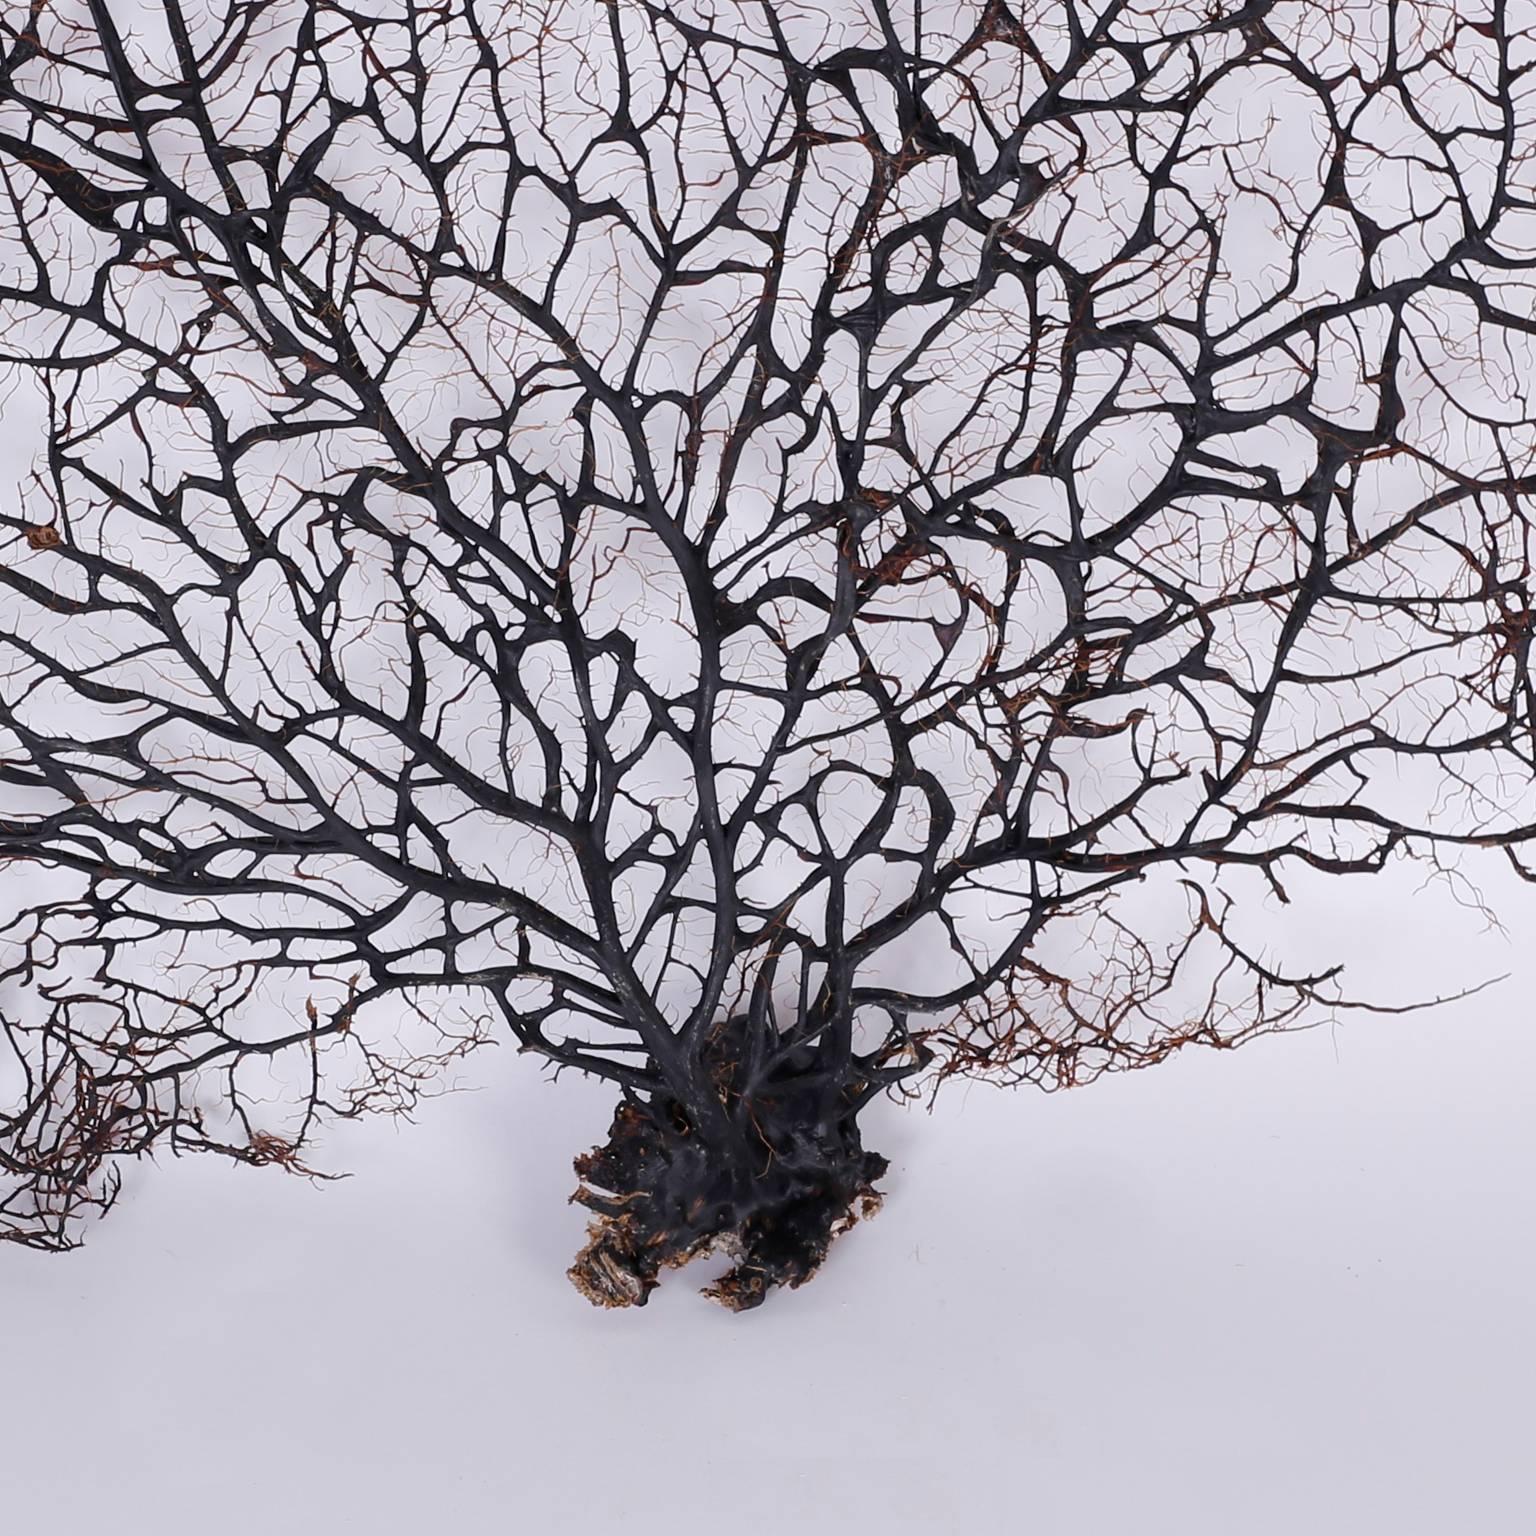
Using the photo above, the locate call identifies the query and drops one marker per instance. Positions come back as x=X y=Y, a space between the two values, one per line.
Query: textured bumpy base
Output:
x=775 y=1201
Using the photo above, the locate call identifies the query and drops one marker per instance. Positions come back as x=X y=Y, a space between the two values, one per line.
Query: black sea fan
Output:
x=767 y=553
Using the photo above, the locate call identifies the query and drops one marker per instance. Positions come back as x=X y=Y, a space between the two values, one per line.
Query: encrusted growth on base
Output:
x=790 y=1179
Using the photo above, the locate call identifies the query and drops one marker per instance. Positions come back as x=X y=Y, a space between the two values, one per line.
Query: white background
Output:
x=1285 y=1291
x=1280 y=1290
